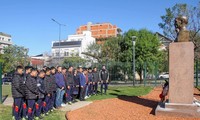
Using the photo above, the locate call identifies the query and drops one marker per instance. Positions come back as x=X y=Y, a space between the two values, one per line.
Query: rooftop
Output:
x=4 y=34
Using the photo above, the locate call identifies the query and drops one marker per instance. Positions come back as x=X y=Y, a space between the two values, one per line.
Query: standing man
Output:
x=17 y=92
x=82 y=78
x=95 y=80
x=41 y=89
x=31 y=92
x=24 y=108
x=104 y=77
x=48 y=90
x=60 y=87
x=53 y=72
x=70 y=84
x=90 y=81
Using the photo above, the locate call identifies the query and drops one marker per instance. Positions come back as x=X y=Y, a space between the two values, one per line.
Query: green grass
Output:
x=6 y=90
x=115 y=91
x=5 y=112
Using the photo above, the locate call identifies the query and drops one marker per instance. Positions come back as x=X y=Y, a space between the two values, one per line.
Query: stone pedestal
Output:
x=181 y=72
x=181 y=82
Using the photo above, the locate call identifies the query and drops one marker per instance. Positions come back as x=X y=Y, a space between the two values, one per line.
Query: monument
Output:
x=181 y=75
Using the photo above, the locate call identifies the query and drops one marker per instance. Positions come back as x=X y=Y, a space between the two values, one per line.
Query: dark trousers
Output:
x=31 y=109
x=24 y=108
x=38 y=107
x=53 y=100
x=17 y=108
x=104 y=86
x=90 y=89
x=46 y=103
x=95 y=87
x=82 y=93
x=69 y=96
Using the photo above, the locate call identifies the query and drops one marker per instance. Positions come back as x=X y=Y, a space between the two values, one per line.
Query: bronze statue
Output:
x=180 y=24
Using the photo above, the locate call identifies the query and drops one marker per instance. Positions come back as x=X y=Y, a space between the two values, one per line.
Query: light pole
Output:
x=59 y=24
x=133 y=39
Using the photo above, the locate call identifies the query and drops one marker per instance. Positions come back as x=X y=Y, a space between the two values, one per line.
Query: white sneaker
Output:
x=63 y=105
x=86 y=97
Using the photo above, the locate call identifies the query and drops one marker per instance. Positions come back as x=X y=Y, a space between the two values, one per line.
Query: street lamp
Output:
x=133 y=39
x=59 y=24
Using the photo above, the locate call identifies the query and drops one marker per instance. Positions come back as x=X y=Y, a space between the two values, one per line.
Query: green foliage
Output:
x=12 y=57
x=74 y=61
x=146 y=49
x=116 y=91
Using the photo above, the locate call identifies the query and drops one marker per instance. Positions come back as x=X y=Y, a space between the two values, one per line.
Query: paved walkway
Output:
x=9 y=101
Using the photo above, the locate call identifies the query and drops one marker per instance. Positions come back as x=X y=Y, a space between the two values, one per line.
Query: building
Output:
x=73 y=46
x=164 y=41
x=5 y=41
x=40 y=60
x=100 y=31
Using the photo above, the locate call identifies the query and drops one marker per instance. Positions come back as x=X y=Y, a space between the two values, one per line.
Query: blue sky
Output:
x=29 y=21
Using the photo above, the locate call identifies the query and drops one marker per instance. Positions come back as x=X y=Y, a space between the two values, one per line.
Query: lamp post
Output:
x=133 y=39
x=59 y=25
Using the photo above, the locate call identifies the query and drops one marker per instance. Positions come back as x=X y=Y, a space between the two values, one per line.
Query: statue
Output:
x=180 y=24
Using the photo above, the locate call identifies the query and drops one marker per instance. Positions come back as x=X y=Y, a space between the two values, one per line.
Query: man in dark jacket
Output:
x=31 y=92
x=41 y=89
x=95 y=80
x=26 y=74
x=90 y=81
x=60 y=87
x=104 y=77
x=17 y=92
x=70 y=84
x=53 y=72
x=48 y=90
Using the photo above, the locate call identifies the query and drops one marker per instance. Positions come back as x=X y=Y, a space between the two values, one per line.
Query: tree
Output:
x=146 y=49
x=193 y=14
x=12 y=57
x=74 y=61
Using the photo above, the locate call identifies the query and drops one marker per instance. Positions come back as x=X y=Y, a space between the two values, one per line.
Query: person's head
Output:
x=70 y=69
x=85 y=71
x=103 y=67
x=80 y=69
x=28 y=69
x=90 y=69
x=64 y=70
x=19 y=70
x=48 y=71
x=59 y=68
x=41 y=74
x=75 y=71
x=53 y=70
x=34 y=72
x=95 y=69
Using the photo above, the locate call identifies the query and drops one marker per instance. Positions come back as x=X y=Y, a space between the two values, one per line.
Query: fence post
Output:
x=0 y=83
x=145 y=72
x=155 y=73
x=197 y=76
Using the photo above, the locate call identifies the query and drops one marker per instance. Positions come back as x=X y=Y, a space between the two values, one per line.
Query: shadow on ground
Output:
x=138 y=100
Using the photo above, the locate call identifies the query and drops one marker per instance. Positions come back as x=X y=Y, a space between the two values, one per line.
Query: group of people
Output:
x=36 y=93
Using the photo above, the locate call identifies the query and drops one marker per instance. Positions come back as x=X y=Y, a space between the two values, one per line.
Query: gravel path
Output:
x=124 y=108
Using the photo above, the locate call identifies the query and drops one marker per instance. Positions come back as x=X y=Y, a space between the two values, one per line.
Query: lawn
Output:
x=115 y=91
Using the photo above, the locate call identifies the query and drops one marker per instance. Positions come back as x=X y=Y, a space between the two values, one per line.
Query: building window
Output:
x=8 y=39
x=57 y=54
x=66 y=54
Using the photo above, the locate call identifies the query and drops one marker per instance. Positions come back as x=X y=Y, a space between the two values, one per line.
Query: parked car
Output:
x=164 y=75
x=6 y=80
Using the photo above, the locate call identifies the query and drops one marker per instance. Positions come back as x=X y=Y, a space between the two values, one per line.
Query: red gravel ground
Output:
x=124 y=108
